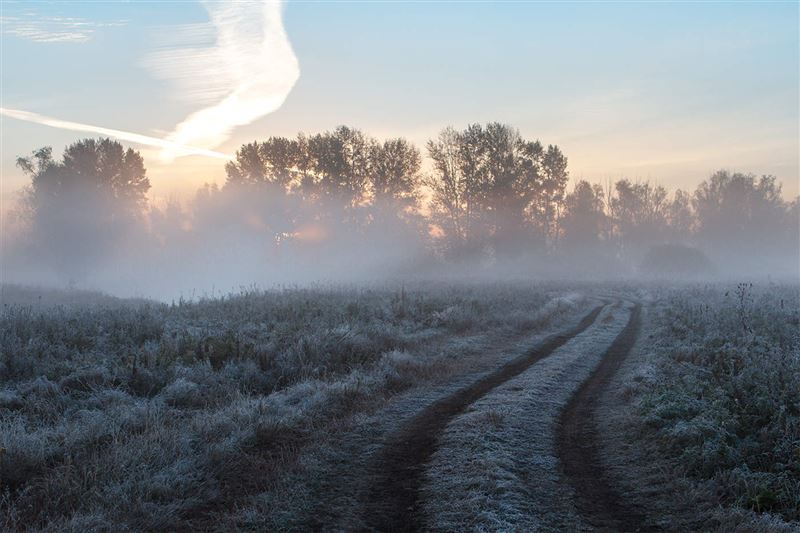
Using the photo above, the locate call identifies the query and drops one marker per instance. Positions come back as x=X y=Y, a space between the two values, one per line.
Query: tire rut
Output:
x=392 y=503
x=578 y=448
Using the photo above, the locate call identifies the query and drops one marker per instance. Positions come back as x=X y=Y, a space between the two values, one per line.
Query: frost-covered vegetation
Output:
x=723 y=399
x=129 y=414
x=263 y=410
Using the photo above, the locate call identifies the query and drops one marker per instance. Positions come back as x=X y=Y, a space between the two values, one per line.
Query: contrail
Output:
x=247 y=72
x=178 y=149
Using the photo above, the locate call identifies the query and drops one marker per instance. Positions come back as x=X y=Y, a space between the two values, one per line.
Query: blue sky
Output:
x=667 y=92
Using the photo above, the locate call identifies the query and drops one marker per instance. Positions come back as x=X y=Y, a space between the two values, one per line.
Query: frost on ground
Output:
x=703 y=424
x=496 y=467
x=135 y=415
x=328 y=485
x=261 y=411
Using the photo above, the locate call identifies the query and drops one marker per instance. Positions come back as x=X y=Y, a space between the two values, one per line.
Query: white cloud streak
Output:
x=243 y=68
x=31 y=27
x=246 y=73
x=178 y=149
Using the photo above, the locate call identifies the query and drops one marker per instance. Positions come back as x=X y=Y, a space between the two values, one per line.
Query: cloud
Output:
x=32 y=27
x=241 y=66
x=178 y=149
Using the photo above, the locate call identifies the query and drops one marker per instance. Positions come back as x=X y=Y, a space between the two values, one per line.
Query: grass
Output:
x=723 y=404
x=260 y=410
x=139 y=415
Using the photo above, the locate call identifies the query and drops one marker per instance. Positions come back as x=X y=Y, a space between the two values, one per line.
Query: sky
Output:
x=667 y=92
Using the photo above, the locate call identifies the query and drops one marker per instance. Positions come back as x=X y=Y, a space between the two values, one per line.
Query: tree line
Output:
x=486 y=193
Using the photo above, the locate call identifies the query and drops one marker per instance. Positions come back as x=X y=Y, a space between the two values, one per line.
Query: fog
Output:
x=344 y=207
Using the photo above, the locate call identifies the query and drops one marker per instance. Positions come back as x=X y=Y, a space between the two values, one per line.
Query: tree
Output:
x=510 y=177
x=394 y=174
x=276 y=161
x=259 y=183
x=455 y=193
x=640 y=212
x=584 y=221
x=554 y=183
x=85 y=204
x=341 y=178
x=737 y=211
x=90 y=166
x=489 y=185
x=680 y=217
x=339 y=164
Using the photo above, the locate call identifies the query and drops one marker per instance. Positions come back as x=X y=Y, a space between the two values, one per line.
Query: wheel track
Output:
x=578 y=448
x=392 y=502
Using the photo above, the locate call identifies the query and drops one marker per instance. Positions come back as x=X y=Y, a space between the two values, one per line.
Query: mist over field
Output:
x=342 y=206
x=548 y=280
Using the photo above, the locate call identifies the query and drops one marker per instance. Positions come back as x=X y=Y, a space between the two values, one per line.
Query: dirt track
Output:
x=393 y=500
x=578 y=443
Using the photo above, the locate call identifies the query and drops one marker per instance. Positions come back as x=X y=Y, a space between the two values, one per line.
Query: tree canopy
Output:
x=485 y=193
x=81 y=205
x=492 y=188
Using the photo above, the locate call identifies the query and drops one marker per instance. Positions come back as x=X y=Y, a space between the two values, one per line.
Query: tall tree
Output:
x=102 y=169
x=337 y=178
x=510 y=171
x=680 y=217
x=550 y=200
x=639 y=213
x=276 y=161
x=84 y=204
x=394 y=174
x=89 y=166
x=339 y=162
x=584 y=221
x=456 y=192
x=490 y=184
x=739 y=210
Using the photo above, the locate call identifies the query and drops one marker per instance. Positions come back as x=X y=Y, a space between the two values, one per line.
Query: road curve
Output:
x=578 y=449
x=392 y=503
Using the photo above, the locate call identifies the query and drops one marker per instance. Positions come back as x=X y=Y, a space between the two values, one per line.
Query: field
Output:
x=485 y=407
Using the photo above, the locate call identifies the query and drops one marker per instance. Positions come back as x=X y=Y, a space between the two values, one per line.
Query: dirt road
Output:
x=578 y=439
x=393 y=503
x=560 y=420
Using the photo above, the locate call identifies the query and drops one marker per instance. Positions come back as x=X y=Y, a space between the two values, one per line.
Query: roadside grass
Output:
x=221 y=413
x=721 y=400
x=139 y=415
